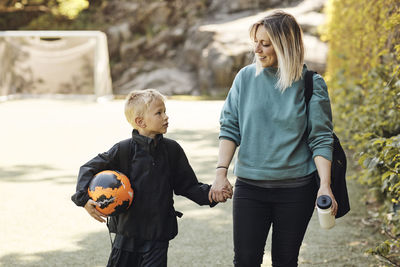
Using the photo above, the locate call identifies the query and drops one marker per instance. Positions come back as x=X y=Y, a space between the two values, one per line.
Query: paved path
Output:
x=42 y=145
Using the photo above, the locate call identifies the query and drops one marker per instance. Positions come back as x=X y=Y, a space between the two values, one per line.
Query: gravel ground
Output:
x=43 y=143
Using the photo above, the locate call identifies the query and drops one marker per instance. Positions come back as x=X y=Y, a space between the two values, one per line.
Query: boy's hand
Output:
x=226 y=194
x=90 y=207
x=221 y=188
x=216 y=201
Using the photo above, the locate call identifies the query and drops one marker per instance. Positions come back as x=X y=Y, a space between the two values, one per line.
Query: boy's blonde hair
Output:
x=138 y=101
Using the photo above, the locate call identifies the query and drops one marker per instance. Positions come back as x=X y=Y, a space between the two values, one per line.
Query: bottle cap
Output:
x=324 y=202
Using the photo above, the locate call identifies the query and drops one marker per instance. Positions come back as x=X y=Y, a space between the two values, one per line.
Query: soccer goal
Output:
x=69 y=63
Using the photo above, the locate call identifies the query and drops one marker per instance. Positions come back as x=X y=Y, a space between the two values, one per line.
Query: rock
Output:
x=232 y=6
x=157 y=13
x=116 y=35
x=219 y=65
x=310 y=22
x=306 y=6
x=124 y=31
x=179 y=52
x=193 y=47
x=164 y=41
x=117 y=11
x=127 y=76
x=230 y=48
x=315 y=53
x=129 y=50
x=169 y=81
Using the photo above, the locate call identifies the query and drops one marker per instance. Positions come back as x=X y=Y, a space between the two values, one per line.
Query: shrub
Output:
x=363 y=76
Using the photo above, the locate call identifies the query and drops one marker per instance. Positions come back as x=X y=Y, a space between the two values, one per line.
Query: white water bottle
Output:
x=324 y=207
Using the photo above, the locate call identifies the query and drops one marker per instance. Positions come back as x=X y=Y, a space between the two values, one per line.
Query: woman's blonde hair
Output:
x=287 y=39
x=138 y=101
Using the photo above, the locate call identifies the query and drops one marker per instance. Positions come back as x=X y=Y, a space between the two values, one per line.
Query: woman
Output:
x=281 y=147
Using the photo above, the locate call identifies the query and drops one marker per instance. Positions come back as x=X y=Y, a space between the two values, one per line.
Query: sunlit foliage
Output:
x=40 y=14
x=363 y=76
x=71 y=8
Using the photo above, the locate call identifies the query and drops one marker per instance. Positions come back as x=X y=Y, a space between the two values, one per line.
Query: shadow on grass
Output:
x=198 y=244
x=22 y=173
x=203 y=153
x=94 y=252
x=201 y=230
x=208 y=138
x=34 y=173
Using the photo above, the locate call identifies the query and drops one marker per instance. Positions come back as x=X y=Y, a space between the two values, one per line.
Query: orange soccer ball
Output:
x=112 y=190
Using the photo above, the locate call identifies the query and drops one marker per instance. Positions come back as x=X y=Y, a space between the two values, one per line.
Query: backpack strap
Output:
x=172 y=160
x=125 y=153
x=308 y=92
x=309 y=85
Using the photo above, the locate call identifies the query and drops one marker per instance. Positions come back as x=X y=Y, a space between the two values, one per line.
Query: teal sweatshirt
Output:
x=269 y=125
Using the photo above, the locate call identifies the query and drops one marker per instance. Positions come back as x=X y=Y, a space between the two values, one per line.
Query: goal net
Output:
x=54 y=62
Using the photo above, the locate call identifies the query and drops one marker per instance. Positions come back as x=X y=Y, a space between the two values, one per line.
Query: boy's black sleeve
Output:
x=185 y=182
x=103 y=161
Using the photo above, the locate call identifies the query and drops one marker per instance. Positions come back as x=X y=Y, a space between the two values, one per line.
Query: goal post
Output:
x=38 y=63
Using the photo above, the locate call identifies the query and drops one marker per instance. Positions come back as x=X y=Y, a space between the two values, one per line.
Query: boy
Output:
x=157 y=167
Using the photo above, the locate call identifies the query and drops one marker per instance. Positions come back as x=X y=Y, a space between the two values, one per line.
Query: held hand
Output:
x=221 y=188
x=226 y=194
x=90 y=207
x=326 y=190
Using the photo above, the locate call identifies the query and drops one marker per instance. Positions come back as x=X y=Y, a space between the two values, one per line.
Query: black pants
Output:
x=255 y=209
x=155 y=257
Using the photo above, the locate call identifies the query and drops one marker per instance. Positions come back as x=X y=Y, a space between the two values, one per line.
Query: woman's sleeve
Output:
x=320 y=128
x=103 y=161
x=229 y=118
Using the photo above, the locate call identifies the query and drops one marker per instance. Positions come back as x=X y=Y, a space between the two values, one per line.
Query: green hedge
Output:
x=363 y=76
x=51 y=15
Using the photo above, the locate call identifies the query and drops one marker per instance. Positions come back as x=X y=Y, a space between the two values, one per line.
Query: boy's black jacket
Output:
x=158 y=168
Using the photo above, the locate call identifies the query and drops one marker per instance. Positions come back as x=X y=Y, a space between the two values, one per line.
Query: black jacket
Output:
x=158 y=168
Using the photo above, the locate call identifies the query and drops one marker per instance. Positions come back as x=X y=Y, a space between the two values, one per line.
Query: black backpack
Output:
x=339 y=162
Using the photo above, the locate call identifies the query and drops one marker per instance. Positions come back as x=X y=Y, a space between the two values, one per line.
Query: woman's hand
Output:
x=221 y=188
x=324 y=171
x=325 y=189
x=90 y=207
